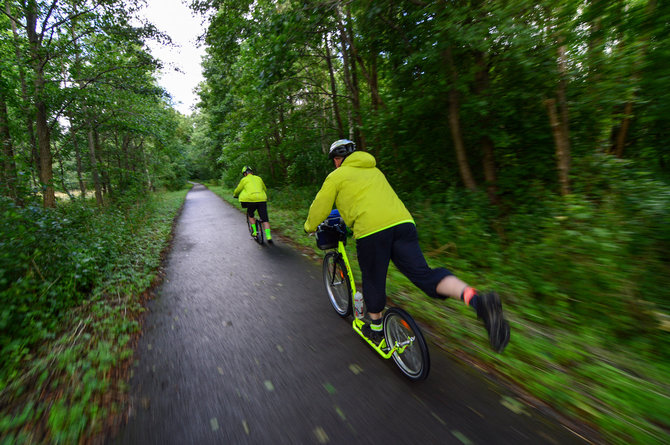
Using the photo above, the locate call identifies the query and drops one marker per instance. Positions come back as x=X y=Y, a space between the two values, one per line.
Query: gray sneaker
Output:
x=490 y=311
x=375 y=337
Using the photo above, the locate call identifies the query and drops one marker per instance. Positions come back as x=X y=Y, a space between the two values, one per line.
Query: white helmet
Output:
x=341 y=147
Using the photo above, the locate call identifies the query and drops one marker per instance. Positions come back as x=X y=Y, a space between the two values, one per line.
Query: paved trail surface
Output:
x=241 y=346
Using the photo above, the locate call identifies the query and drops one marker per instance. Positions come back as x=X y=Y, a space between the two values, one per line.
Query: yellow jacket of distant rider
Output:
x=251 y=189
x=361 y=193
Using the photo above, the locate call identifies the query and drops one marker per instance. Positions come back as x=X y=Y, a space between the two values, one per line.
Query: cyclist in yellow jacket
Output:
x=385 y=231
x=251 y=191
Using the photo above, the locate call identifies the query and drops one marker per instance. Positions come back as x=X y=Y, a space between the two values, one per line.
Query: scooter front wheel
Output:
x=338 y=286
x=402 y=332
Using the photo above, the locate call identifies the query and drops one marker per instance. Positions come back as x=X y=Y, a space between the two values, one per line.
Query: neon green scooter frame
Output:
x=382 y=349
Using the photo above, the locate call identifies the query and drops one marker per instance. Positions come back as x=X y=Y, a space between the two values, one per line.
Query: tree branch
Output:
x=46 y=19
x=10 y=16
x=71 y=17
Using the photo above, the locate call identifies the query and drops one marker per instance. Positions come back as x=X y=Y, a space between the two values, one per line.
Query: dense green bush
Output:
x=596 y=258
x=69 y=285
x=46 y=266
x=51 y=260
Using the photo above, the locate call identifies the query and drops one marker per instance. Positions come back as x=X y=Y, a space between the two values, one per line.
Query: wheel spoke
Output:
x=337 y=284
x=411 y=353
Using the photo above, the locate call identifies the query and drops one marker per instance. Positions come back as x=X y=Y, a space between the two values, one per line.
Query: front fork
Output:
x=343 y=254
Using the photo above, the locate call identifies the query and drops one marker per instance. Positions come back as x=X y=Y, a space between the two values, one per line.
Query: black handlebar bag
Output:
x=331 y=231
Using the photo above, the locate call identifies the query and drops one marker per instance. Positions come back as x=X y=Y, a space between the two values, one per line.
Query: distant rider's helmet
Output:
x=246 y=169
x=341 y=147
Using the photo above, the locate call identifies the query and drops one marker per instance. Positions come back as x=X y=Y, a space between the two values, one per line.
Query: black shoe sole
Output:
x=498 y=327
x=503 y=338
x=367 y=333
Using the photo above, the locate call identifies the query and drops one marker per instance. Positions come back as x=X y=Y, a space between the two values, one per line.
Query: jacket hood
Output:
x=365 y=199
x=360 y=159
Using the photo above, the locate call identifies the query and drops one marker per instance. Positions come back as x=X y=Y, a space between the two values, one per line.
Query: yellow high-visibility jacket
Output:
x=365 y=199
x=251 y=189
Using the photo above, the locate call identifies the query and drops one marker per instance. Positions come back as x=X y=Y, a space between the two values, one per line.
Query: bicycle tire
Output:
x=414 y=361
x=338 y=285
x=259 y=231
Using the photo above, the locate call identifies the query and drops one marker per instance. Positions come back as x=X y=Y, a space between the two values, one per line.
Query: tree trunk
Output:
x=595 y=103
x=94 y=165
x=623 y=131
x=372 y=78
x=38 y=61
x=459 y=146
x=134 y=158
x=373 y=81
x=63 y=184
x=563 y=101
x=369 y=74
x=356 y=91
x=44 y=143
x=268 y=151
x=490 y=169
x=351 y=79
x=455 y=125
x=322 y=129
x=25 y=99
x=125 y=167
x=9 y=176
x=642 y=42
x=563 y=154
x=482 y=82
x=103 y=167
x=377 y=102
x=333 y=92
x=562 y=149
x=77 y=154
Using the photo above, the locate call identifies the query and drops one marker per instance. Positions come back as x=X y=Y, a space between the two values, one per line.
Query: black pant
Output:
x=401 y=245
x=251 y=207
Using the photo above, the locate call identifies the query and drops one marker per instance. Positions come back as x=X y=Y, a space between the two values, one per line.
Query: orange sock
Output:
x=467 y=294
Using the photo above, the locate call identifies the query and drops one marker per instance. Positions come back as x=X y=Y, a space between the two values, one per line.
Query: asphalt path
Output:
x=241 y=346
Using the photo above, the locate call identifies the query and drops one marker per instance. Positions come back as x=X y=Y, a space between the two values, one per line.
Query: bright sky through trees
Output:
x=182 y=71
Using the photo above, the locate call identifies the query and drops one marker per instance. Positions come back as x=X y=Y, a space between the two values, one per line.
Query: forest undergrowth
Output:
x=72 y=283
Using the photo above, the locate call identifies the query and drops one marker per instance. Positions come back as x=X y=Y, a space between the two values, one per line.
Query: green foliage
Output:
x=173 y=177
x=270 y=100
x=109 y=125
x=201 y=151
x=70 y=279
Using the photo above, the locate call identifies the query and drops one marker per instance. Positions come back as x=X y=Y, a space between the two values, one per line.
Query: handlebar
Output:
x=339 y=227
